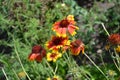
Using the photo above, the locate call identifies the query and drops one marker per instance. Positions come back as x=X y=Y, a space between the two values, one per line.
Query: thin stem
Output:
x=105 y=29
x=21 y=63
x=67 y=55
x=50 y=67
x=102 y=61
x=95 y=65
x=82 y=72
x=117 y=56
x=56 y=68
x=115 y=63
x=66 y=59
x=4 y=74
x=16 y=74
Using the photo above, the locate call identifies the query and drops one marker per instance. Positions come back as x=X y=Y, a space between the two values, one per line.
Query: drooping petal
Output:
x=32 y=56
x=39 y=58
x=63 y=32
x=76 y=47
x=71 y=30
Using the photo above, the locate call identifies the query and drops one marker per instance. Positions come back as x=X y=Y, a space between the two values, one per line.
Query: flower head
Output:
x=57 y=42
x=111 y=73
x=114 y=39
x=21 y=74
x=76 y=47
x=53 y=56
x=37 y=53
x=65 y=25
x=117 y=49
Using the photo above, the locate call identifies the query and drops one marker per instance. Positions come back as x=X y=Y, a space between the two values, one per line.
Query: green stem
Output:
x=76 y=65
x=95 y=65
x=56 y=68
x=115 y=63
x=21 y=63
x=105 y=29
x=117 y=56
x=102 y=61
x=68 y=58
x=16 y=74
x=50 y=67
x=4 y=74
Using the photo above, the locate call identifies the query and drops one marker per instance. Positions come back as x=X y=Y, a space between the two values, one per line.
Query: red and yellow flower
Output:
x=64 y=26
x=53 y=56
x=114 y=39
x=57 y=42
x=76 y=47
x=37 y=53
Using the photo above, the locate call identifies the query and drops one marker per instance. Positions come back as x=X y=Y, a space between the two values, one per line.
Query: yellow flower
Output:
x=117 y=49
x=111 y=73
x=53 y=56
x=21 y=74
x=55 y=78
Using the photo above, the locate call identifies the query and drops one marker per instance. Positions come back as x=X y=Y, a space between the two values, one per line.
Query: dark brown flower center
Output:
x=54 y=79
x=64 y=23
x=36 y=49
x=57 y=41
x=53 y=55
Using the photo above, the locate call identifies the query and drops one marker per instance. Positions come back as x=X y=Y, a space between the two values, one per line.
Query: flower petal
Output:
x=38 y=58
x=32 y=56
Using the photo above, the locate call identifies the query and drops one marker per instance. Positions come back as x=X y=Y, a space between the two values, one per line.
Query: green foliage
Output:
x=26 y=23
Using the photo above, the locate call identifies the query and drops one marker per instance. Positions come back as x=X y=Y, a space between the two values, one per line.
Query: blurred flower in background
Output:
x=114 y=39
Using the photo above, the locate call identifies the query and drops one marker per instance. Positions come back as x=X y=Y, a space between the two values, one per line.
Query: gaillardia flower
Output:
x=76 y=47
x=53 y=56
x=37 y=53
x=114 y=39
x=64 y=26
x=57 y=42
